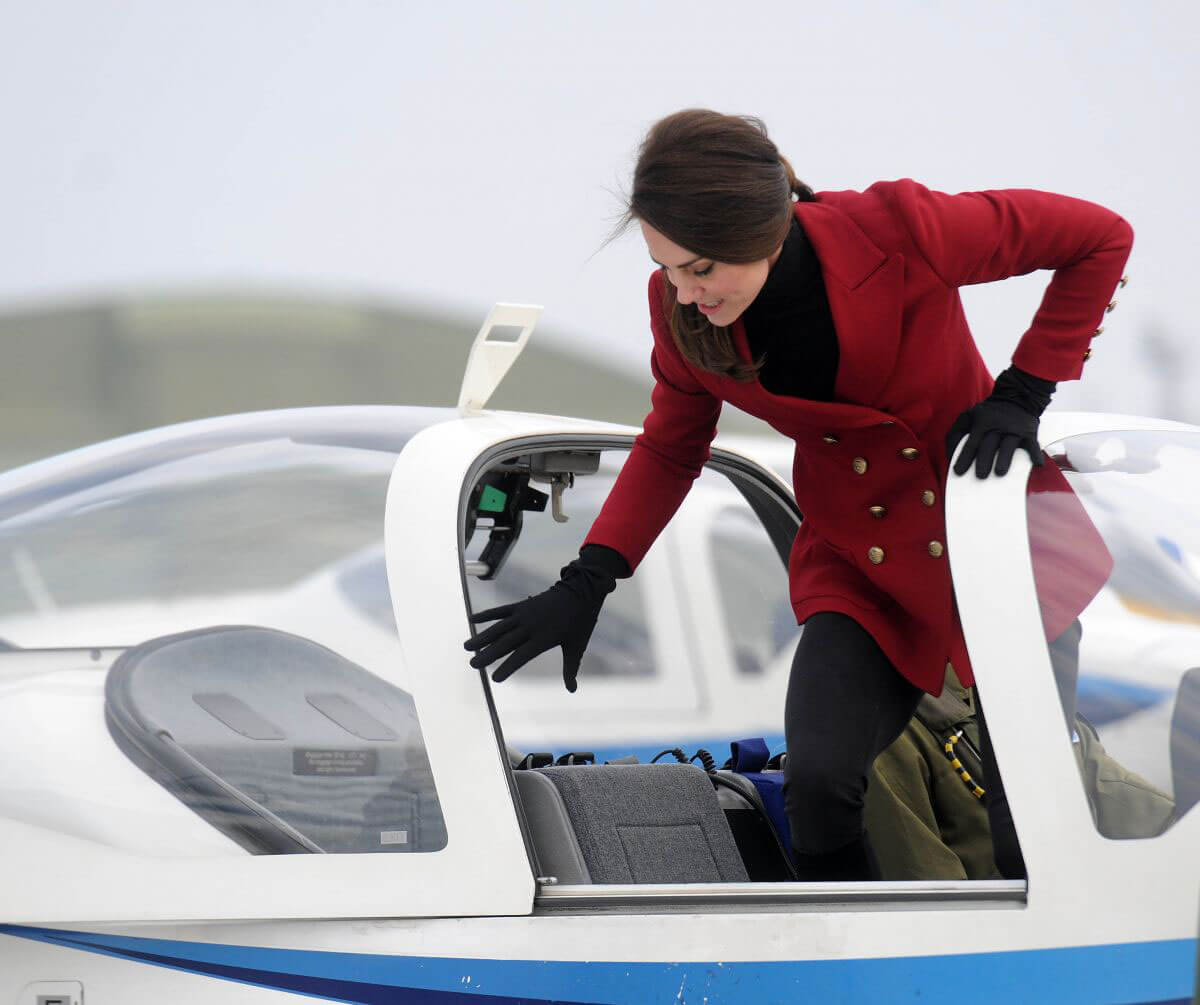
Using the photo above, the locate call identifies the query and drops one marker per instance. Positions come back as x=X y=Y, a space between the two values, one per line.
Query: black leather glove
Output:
x=1002 y=422
x=563 y=615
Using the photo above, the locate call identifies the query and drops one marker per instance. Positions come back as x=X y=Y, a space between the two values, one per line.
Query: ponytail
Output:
x=800 y=191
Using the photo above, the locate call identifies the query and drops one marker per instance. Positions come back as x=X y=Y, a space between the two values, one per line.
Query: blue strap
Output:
x=749 y=759
x=770 y=789
x=749 y=755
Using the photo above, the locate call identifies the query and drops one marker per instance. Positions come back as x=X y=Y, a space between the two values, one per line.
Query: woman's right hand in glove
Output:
x=563 y=615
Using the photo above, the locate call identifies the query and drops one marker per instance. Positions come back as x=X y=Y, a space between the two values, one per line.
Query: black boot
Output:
x=855 y=861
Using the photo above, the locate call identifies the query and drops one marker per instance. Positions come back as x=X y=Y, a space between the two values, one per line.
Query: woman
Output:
x=836 y=318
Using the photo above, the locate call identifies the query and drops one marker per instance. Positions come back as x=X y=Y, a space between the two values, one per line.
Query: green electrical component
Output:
x=492 y=500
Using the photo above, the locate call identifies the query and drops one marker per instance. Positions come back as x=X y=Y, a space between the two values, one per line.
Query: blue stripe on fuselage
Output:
x=1130 y=973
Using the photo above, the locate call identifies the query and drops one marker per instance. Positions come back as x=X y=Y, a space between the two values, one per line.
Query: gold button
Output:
x=928 y=497
x=1087 y=355
x=1110 y=308
x=830 y=439
x=1098 y=331
x=910 y=453
x=936 y=549
x=878 y=512
x=860 y=465
x=875 y=555
x=1124 y=280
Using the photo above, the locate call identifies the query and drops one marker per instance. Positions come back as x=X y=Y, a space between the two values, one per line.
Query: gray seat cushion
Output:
x=648 y=823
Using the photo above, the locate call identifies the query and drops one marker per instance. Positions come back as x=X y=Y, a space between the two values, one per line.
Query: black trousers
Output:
x=846 y=703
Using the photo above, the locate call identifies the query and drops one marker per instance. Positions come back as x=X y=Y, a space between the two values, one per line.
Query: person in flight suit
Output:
x=925 y=806
x=835 y=317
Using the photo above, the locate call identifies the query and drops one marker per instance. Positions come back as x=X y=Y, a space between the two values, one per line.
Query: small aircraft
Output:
x=247 y=760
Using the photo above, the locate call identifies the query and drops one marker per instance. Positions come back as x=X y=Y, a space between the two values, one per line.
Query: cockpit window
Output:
x=674 y=660
x=266 y=705
x=279 y=743
x=620 y=645
x=760 y=624
x=362 y=581
x=161 y=536
x=1128 y=668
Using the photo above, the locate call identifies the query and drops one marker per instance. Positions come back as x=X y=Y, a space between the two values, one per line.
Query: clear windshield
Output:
x=164 y=536
x=174 y=607
x=760 y=623
x=620 y=644
x=690 y=651
x=1123 y=668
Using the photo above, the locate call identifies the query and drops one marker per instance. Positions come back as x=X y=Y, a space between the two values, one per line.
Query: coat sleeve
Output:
x=978 y=237
x=666 y=457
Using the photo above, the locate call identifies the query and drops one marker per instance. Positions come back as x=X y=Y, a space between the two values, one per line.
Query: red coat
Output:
x=893 y=258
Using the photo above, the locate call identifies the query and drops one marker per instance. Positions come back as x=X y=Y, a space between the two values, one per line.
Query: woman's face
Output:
x=720 y=290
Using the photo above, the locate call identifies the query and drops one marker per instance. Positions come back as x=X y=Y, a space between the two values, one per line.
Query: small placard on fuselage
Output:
x=338 y=763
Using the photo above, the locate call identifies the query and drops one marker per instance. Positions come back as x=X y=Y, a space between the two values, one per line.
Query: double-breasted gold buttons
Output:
x=928 y=497
x=860 y=465
x=1110 y=308
x=831 y=439
x=1098 y=331
x=878 y=512
x=910 y=453
x=1123 y=281
x=1087 y=354
x=936 y=549
x=875 y=554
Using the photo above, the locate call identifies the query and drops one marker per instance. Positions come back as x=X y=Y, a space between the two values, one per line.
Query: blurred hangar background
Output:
x=226 y=207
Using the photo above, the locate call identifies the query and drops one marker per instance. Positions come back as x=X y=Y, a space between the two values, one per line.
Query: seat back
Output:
x=280 y=743
x=554 y=843
x=639 y=823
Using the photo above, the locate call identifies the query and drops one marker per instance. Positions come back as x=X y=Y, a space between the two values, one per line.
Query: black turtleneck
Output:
x=790 y=322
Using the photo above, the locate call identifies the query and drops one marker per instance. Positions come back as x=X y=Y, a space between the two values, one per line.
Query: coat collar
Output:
x=866 y=297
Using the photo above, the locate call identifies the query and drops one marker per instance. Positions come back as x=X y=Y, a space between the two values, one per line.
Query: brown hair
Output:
x=716 y=185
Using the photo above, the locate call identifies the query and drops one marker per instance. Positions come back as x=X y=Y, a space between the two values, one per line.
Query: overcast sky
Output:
x=457 y=154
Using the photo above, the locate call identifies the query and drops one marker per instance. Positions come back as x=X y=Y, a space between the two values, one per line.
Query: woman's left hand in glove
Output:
x=1002 y=422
